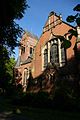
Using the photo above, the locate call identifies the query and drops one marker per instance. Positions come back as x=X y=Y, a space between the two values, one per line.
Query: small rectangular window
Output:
x=31 y=51
x=22 y=49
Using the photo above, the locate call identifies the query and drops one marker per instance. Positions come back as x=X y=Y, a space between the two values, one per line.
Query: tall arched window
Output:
x=54 y=53
x=63 y=56
x=26 y=76
x=45 y=58
x=54 y=57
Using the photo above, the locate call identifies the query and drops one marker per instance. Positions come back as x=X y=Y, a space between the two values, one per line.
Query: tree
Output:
x=74 y=18
x=10 y=11
x=9 y=69
x=6 y=73
x=67 y=90
x=71 y=32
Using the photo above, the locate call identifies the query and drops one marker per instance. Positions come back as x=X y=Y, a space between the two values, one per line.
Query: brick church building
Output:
x=35 y=54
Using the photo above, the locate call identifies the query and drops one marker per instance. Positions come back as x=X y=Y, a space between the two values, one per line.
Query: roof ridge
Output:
x=31 y=34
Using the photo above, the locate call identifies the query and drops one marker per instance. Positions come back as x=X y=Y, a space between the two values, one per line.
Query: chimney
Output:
x=51 y=20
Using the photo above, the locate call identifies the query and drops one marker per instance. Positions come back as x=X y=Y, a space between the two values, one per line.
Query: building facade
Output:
x=24 y=61
x=35 y=55
x=49 y=47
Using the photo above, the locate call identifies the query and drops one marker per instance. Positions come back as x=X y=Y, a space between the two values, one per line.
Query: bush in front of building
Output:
x=38 y=100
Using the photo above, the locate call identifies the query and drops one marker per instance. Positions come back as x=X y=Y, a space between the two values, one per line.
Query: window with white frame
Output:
x=56 y=54
x=26 y=76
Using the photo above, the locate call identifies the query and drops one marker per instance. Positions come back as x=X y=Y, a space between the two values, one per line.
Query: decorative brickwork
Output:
x=34 y=54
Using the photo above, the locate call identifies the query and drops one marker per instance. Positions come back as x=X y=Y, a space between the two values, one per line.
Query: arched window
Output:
x=45 y=58
x=54 y=53
x=63 y=56
x=54 y=57
x=26 y=76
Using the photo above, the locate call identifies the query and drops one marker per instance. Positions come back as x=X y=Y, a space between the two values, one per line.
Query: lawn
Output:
x=11 y=112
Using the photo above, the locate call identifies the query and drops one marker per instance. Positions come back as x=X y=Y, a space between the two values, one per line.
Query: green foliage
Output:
x=10 y=11
x=71 y=18
x=73 y=32
x=65 y=43
x=9 y=30
x=40 y=100
x=9 y=68
x=77 y=8
x=6 y=73
x=3 y=60
x=75 y=18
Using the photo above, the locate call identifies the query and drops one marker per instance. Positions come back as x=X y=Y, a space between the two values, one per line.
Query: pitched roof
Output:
x=31 y=35
x=18 y=62
x=29 y=59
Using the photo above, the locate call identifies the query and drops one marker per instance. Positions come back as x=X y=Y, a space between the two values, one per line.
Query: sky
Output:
x=35 y=17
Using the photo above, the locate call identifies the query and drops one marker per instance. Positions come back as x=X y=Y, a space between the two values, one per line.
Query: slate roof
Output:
x=18 y=62
x=29 y=59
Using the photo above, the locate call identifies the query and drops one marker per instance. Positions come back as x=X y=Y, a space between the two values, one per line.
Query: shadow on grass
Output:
x=11 y=112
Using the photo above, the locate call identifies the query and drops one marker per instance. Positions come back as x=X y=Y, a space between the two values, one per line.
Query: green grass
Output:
x=27 y=113
x=47 y=114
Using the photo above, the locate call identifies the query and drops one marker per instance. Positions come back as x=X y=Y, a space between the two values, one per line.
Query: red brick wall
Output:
x=36 y=64
x=27 y=42
x=60 y=29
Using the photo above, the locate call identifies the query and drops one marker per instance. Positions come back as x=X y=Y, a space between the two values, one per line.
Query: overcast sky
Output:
x=36 y=16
